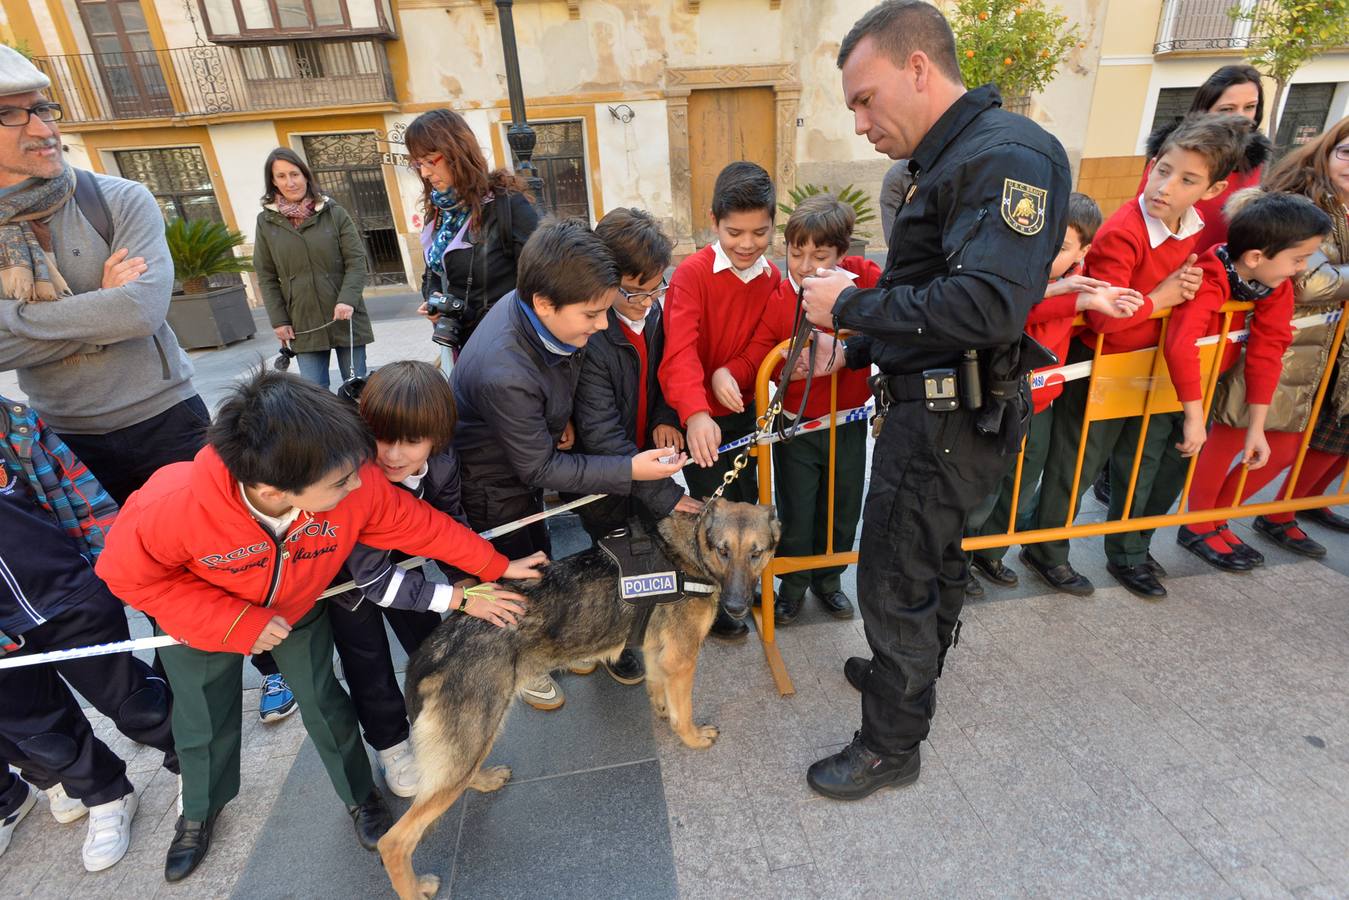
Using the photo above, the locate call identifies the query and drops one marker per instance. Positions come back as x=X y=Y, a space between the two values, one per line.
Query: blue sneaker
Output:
x=276 y=701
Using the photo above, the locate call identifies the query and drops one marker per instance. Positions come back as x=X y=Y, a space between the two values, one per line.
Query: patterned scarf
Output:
x=453 y=215
x=27 y=270
x=1243 y=290
x=296 y=212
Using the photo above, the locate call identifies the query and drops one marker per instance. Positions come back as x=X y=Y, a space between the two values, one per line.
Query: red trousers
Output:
x=1215 y=476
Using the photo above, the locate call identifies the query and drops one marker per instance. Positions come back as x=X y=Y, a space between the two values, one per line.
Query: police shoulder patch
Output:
x=1023 y=206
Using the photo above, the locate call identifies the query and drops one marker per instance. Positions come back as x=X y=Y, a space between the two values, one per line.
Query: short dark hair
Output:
x=900 y=27
x=743 y=187
x=409 y=400
x=1084 y=216
x=1208 y=93
x=634 y=237
x=285 y=154
x=565 y=262
x=1221 y=140
x=822 y=219
x=1272 y=222
x=282 y=431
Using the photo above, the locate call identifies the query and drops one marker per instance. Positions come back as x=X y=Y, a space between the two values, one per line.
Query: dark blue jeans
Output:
x=314 y=365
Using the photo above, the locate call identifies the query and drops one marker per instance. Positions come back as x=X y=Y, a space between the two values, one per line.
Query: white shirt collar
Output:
x=278 y=526
x=796 y=288
x=721 y=262
x=1190 y=224
x=636 y=325
x=414 y=481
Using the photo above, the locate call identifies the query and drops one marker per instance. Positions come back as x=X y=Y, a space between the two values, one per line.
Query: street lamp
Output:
x=519 y=136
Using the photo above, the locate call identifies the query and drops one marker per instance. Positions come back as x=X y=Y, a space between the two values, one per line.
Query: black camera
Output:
x=453 y=311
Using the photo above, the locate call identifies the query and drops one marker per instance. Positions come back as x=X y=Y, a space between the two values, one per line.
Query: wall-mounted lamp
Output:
x=622 y=113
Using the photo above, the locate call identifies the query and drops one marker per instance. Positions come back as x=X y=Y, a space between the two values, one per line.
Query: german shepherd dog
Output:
x=462 y=680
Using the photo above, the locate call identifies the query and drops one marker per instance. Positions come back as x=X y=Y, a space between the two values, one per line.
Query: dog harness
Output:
x=647 y=577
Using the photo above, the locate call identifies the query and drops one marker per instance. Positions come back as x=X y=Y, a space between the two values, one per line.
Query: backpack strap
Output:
x=89 y=198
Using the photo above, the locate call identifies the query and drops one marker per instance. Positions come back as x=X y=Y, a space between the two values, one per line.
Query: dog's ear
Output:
x=774 y=523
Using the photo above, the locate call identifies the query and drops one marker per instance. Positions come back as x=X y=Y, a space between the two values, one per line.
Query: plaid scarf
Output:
x=1246 y=291
x=27 y=270
x=296 y=212
x=34 y=455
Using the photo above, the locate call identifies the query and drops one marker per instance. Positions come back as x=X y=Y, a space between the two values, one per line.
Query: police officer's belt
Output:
x=646 y=576
x=897 y=388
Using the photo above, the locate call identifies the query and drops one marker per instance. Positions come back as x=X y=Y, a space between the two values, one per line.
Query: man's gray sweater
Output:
x=100 y=360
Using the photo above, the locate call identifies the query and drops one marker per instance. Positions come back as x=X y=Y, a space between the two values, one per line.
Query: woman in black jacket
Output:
x=477 y=221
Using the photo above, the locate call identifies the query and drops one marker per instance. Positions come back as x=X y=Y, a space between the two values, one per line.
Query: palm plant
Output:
x=853 y=196
x=203 y=248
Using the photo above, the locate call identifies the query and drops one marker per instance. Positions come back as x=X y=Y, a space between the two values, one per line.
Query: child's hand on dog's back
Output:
x=526 y=568
x=653 y=465
x=493 y=603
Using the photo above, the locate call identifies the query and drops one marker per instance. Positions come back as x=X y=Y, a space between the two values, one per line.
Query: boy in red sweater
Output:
x=818 y=234
x=1269 y=240
x=1146 y=245
x=229 y=554
x=1051 y=323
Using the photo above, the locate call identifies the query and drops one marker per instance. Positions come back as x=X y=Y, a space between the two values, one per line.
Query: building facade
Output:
x=635 y=102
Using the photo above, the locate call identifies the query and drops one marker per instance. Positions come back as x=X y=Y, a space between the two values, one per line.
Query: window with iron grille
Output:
x=561 y=161
x=1172 y=105
x=177 y=177
x=1304 y=115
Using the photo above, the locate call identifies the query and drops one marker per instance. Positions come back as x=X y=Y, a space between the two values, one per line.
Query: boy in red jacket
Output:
x=229 y=554
x=1269 y=240
x=1147 y=245
x=818 y=234
x=1050 y=323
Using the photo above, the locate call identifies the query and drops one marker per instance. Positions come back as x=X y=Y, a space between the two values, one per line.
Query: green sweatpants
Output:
x=208 y=709
x=801 y=478
x=994 y=517
x=745 y=489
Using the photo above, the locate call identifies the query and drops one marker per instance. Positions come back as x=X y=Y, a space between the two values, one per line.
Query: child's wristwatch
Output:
x=463 y=600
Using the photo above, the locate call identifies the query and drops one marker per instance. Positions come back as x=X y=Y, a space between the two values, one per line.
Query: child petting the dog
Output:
x=409 y=408
x=515 y=386
x=229 y=553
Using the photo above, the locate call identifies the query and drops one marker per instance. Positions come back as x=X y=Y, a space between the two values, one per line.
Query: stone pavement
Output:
x=1197 y=747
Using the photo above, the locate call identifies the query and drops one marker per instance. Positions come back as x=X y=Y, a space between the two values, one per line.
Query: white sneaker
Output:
x=65 y=808
x=8 y=823
x=543 y=693
x=399 y=768
x=109 y=832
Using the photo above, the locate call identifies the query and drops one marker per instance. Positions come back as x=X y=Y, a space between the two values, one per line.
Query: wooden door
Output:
x=726 y=125
x=126 y=58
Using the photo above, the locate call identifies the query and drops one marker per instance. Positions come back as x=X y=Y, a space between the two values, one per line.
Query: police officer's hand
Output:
x=822 y=292
x=828 y=358
x=1074 y=284
x=704 y=437
x=273 y=633
x=1115 y=302
x=727 y=390
x=651 y=465
x=667 y=436
x=526 y=568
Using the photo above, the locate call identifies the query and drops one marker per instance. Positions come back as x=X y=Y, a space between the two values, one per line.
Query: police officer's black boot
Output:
x=856 y=771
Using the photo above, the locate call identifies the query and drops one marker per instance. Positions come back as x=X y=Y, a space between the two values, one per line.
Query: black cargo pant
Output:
x=43 y=731
x=929 y=470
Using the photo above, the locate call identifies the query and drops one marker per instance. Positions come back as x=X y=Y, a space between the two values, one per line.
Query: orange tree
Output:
x=1016 y=44
x=1288 y=34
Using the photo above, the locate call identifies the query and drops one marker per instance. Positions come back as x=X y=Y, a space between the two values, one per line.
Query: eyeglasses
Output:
x=18 y=116
x=419 y=165
x=655 y=295
x=1342 y=152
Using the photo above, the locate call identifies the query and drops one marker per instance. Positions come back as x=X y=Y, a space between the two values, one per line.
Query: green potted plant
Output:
x=1018 y=45
x=201 y=316
x=853 y=196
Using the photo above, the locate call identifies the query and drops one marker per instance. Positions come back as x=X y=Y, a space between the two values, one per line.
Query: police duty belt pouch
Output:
x=1006 y=414
x=647 y=577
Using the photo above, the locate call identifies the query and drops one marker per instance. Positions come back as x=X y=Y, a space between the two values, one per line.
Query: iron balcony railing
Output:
x=214 y=80
x=1204 y=25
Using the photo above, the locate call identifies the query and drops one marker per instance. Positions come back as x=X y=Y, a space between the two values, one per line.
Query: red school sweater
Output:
x=779 y=326
x=1122 y=256
x=1051 y=323
x=710 y=322
x=1271 y=333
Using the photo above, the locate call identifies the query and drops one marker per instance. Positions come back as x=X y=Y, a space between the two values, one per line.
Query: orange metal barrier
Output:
x=1140 y=386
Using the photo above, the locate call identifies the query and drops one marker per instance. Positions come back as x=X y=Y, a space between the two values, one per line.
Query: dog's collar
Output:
x=697 y=587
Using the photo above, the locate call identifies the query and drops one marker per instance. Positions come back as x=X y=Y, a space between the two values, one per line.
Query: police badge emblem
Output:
x=1023 y=206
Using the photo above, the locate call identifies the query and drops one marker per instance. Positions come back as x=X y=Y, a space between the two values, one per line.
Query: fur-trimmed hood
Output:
x=1259 y=149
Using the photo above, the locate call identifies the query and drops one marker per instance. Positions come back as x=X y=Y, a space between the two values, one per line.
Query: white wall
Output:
x=635 y=169
x=241 y=149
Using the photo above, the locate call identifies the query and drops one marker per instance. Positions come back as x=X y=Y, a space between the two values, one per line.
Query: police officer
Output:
x=970 y=252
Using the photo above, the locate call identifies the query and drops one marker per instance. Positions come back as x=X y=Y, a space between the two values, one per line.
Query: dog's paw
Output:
x=490 y=779
x=703 y=736
x=428 y=886
x=660 y=709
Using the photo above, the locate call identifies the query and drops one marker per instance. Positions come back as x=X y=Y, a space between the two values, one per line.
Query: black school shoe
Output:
x=856 y=771
x=837 y=604
x=627 y=669
x=1063 y=578
x=1154 y=567
x=787 y=610
x=1138 y=580
x=191 y=841
x=973 y=589
x=1326 y=518
x=372 y=818
x=727 y=628
x=1100 y=488
x=856 y=670
x=1278 y=533
x=1198 y=544
x=994 y=571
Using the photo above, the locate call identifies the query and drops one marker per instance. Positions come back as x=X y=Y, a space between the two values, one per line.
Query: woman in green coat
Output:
x=310 y=261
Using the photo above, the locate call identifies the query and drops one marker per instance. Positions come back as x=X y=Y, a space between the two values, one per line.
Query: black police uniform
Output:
x=970 y=253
